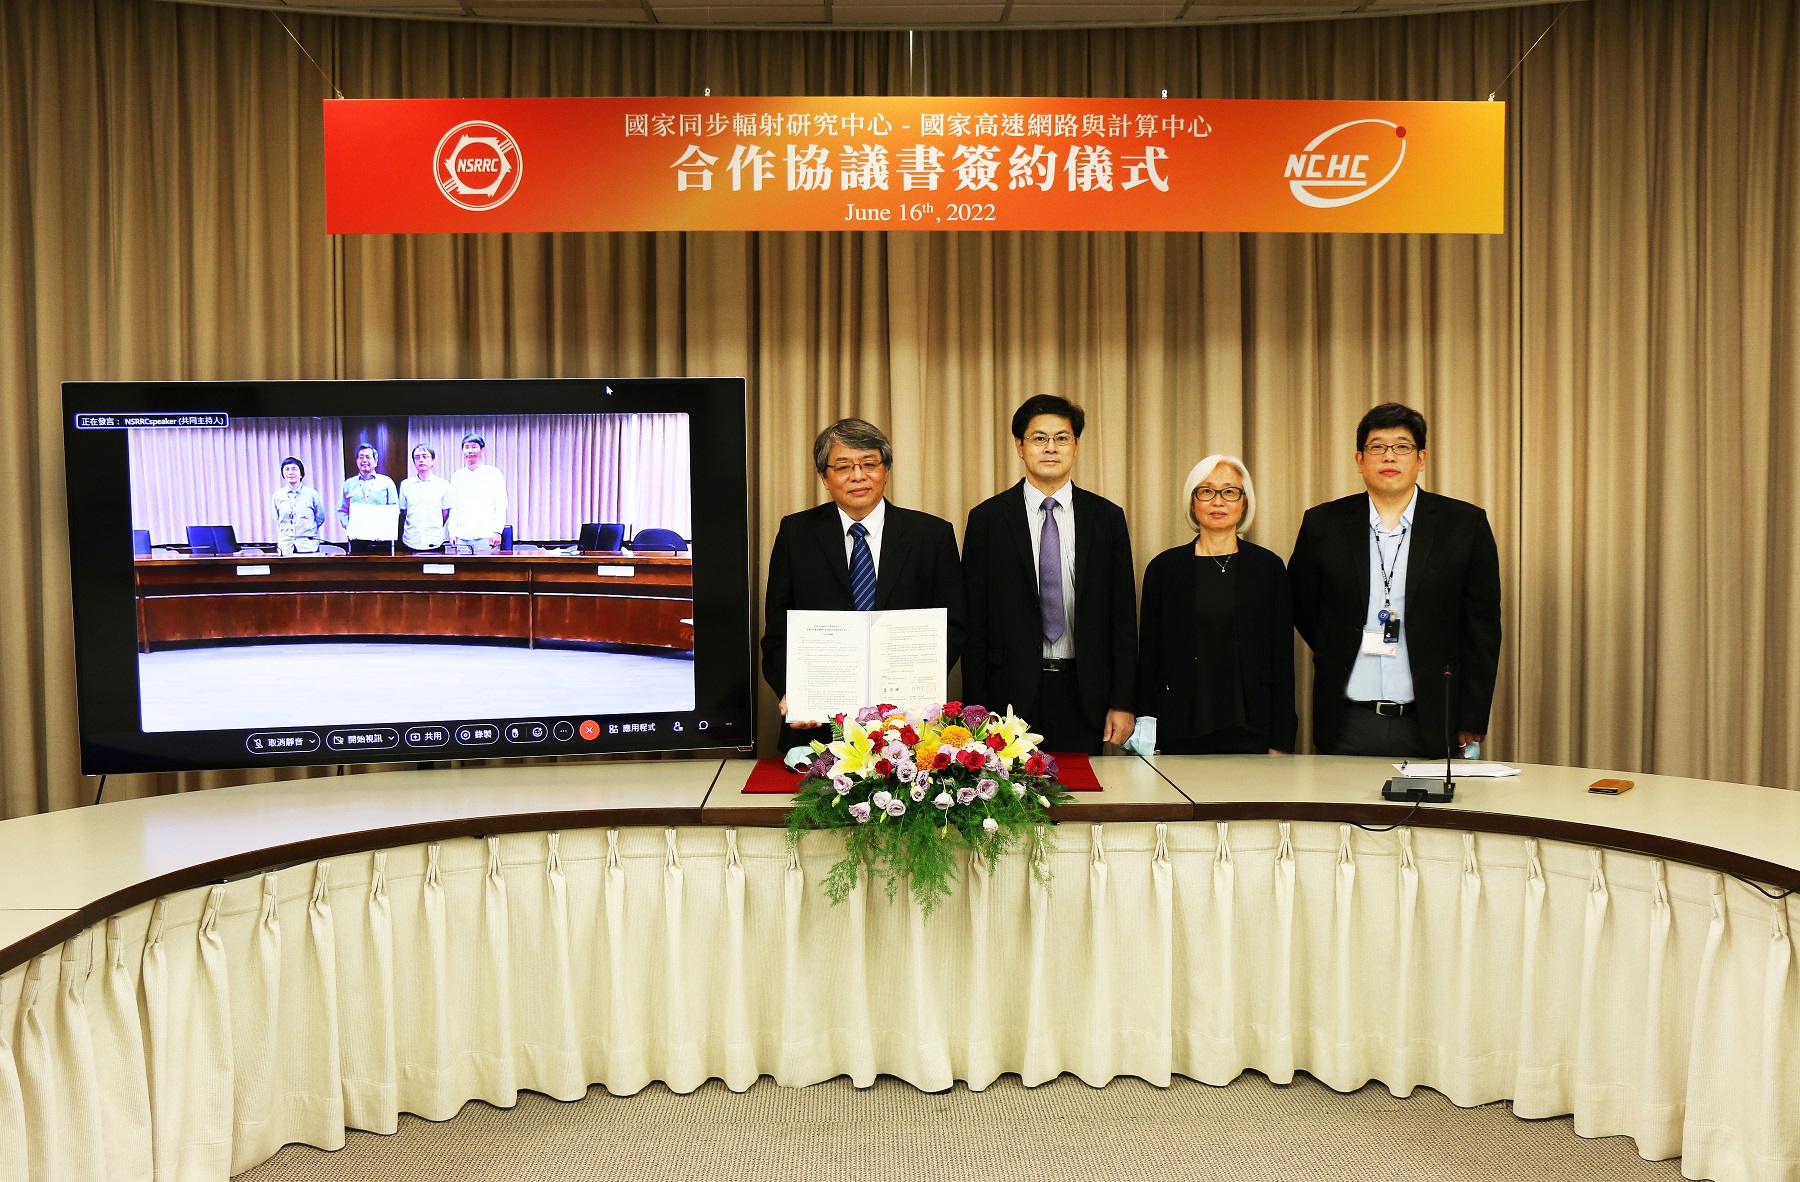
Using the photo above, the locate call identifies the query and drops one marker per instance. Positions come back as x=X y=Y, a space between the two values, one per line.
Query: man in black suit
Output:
x=1052 y=598
x=858 y=553
x=1392 y=589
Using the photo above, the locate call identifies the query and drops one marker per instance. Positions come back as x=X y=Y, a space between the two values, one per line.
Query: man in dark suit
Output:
x=1052 y=598
x=1392 y=589
x=857 y=553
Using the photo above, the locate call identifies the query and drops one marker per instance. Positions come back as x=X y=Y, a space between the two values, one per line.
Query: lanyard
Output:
x=1387 y=575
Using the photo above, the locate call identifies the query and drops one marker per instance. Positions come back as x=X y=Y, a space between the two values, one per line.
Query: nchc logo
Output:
x=1346 y=163
x=478 y=165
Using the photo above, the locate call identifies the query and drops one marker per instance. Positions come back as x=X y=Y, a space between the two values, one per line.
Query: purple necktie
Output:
x=1050 y=588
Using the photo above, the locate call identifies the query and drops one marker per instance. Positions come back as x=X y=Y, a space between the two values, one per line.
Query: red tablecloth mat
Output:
x=1077 y=775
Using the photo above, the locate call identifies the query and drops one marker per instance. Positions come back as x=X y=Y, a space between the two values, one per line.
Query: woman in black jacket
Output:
x=1216 y=634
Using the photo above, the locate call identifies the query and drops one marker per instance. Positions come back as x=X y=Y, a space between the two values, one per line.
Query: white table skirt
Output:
x=192 y=1037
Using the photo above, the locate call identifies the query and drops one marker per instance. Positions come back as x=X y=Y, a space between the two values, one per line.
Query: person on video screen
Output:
x=367 y=487
x=477 y=500
x=424 y=503
x=299 y=511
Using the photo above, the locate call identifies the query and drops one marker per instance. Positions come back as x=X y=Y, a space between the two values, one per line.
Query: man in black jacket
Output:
x=858 y=553
x=1398 y=593
x=1052 y=598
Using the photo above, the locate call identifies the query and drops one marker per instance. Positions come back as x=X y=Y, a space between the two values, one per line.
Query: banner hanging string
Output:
x=1559 y=15
x=309 y=57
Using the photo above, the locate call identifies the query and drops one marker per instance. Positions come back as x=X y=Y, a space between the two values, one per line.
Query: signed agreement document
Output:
x=374 y=523
x=839 y=662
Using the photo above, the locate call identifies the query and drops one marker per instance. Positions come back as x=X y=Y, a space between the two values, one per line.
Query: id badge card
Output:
x=1375 y=642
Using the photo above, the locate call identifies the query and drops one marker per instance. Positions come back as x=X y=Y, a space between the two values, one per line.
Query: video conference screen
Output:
x=279 y=573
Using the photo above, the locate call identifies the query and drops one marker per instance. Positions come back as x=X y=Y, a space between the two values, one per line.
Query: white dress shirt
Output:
x=1063 y=647
x=874 y=522
x=1375 y=678
x=423 y=502
x=477 y=503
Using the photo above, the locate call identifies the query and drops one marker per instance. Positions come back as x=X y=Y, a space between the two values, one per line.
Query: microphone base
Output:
x=1413 y=791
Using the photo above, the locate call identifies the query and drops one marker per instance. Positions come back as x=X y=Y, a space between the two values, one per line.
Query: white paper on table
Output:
x=373 y=523
x=839 y=662
x=1434 y=770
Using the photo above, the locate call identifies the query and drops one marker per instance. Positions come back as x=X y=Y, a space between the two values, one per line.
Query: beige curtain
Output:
x=1614 y=379
x=186 y=476
x=565 y=470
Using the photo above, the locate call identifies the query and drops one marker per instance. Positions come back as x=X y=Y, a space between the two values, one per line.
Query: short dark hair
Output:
x=471 y=437
x=295 y=462
x=371 y=449
x=1391 y=414
x=1048 y=404
x=423 y=447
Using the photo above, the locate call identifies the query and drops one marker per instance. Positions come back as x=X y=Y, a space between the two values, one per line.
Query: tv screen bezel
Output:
x=102 y=564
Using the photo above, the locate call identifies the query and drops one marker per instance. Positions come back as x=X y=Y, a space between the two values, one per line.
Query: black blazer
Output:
x=1265 y=643
x=809 y=570
x=1003 y=656
x=1452 y=609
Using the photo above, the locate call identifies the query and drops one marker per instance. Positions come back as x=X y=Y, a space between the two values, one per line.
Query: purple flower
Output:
x=974 y=716
x=943 y=800
x=867 y=714
x=904 y=772
x=995 y=763
x=860 y=812
x=965 y=794
x=841 y=785
x=917 y=792
x=986 y=789
x=822 y=766
x=896 y=808
x=881 y=799
x=1050 y=769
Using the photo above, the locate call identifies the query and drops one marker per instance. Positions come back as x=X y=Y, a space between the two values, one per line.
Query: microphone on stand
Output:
x=1409 y=789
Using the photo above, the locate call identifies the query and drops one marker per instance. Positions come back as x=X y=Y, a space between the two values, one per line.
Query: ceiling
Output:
x=863 y=14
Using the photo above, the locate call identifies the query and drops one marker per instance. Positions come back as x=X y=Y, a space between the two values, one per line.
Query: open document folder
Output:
x=1434 y=770
x=373 y=523
x=839 y=662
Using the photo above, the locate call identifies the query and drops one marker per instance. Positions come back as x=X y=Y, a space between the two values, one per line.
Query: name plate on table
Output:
x=439 y=568
x=615 y=572
x=253 y=570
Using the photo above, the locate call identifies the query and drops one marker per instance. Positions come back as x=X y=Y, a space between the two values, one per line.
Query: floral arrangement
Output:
x=906 y=790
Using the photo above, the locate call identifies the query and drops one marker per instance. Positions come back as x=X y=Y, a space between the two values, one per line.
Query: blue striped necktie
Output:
x=862 y=569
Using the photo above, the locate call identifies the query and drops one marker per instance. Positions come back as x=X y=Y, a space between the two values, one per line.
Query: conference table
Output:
x=527 y=597
x=189 y=982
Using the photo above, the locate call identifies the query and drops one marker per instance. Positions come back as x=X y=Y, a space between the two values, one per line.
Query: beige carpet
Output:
x=1061 y=1130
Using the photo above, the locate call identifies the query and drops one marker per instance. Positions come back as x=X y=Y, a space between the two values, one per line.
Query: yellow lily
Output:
x=855 y=753
x=1020 y=742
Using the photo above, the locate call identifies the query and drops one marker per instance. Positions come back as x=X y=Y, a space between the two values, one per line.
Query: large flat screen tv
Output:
x=271 y=573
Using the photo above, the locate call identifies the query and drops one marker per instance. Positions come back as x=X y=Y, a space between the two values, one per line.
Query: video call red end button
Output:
x=590 y=730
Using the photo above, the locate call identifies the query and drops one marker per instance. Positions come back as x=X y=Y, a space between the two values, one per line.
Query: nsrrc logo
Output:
x=1346 y=163
x=478 y=165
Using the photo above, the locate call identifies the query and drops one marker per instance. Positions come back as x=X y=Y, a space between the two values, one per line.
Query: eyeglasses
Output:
x=1398 y=450
x=861 y=466
x=1040 y=440
x=1230 y=496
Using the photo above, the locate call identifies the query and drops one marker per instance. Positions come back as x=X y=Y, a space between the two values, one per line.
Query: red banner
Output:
x=434 y=166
